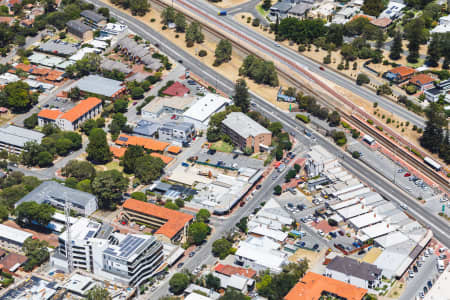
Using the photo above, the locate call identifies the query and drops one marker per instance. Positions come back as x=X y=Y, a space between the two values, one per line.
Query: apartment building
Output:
x=73 y=118
x=177 y=132
x=14 y=138
x=246 y=133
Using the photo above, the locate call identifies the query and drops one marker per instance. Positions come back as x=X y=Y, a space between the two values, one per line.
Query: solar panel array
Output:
x=89 y=234
x=126 y=247
x=123 y=139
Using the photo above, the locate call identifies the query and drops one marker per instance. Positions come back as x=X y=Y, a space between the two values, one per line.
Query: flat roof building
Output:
x=169 y=105
x=14 y=138
x=13 y=236
x=102 y=86
x=246 y=132
x=56 y=194
x=170 y=224
x=179 y=132
x=58 y=48
x=200 y=112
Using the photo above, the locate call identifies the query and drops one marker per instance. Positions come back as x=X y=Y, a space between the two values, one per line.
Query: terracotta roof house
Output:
x=176 y=89
x=170 y=224
x=421 y=80
x=381 y=22
x=147 y=143
x=7 y=20
x=117 y=152
x=73 y=118
x=12 y=261
x=312 y=286
x=233 y=270
x=399 y=74
x=164 y=158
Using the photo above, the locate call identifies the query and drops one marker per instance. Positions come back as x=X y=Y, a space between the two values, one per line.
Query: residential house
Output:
x=170 y=225
x=139 y=53
x=382 y=23
x=300 y=10
x=7 y=20
x=111 y=65
x=176 y=89
x=324 y=10
x=400 y=74
x=422 y=81
x=146 y=128
x=147 y=143
x=392 y=11
x=246 y=133
x=235 y=277
x=444 y=25
x=93 y=19
x=56 y=194
x=72 y=119
x=345 y=14
x=182 y=133
x=80 y=30
x=313 y=286
x=432 y=95
x=349 y=270
x=280 y=9
x=170 y=105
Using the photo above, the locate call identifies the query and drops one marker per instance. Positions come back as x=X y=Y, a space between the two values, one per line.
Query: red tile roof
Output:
x=24 y=67
x=118 y=152
x=54 y=75
x=403 y=71
x=147 y=143
x=312 y=285
x=7 y=20
x=51 y=114
x=382 y=22
x=164 y=158
x=40 y=71
x=81 y=108
x=176 y=89
x=12 y=259
x=229 y=270
x=421 y=79
x=174 y=149
x=175 y=220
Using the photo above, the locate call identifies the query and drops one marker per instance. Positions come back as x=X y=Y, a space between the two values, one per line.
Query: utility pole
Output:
x=67 y=207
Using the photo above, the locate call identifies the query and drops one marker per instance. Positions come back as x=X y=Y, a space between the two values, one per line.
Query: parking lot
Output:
x=61 y=104
x=229 y=159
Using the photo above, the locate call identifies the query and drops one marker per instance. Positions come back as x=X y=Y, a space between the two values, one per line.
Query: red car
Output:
x=407 y=174
x=322 y=68
x=173 y=117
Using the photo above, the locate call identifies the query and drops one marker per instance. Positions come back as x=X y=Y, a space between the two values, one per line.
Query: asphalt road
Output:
x=296 y=59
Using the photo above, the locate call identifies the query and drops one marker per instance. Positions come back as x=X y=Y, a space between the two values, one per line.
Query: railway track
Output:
x=332 y=103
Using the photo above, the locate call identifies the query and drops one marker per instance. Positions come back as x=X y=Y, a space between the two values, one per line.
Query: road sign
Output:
x=443 y=208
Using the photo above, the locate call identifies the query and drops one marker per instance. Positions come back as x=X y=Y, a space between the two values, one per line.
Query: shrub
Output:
x=362 y=79
x=345 y=125
x=256 y=22
x=164 y=27
x=375 y=104
x=419 y=130
x=340 y=66
x=301 y=48
x=379 y=128
x=355 y=133
x=411 y=89
x=332 y=222
x=356 y=154
x=370 y=122
x=202 y=53
x=303 y=118
x=152 y=20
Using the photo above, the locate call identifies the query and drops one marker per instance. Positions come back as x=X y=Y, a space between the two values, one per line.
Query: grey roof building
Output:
x=93 y=16
x=56 y=194
x=146 y=128
x=245 y=125
x=102 y=86
x=77 y=27
x=350 y=270
x=139 y=51
x=58 y=47
x=300 y=10
x=111 y=65
x=180 y=132
x=13 y=138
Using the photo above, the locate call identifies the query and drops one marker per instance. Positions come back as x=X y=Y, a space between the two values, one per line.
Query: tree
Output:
x=74 y=94
x=223 y=52
x=194 y=34
x=80 y=170
x=139 y=196
x=416 y=34
x=90 y=63
x=275 y=128
x=170 y=205
x=362 y=79
x=137 y=92
x=334 y=119
x=17 y=96
x=139 y=7
x=384 y=89
x=120 y=105
x=4 y=213
x=242 y=224
x=63 y=146
x=104 y=11
x=221 y=248
x=98 y=149
x=266 y=4
x=108 y=186
x=84 y=186
x=45 y=159
x=36 y=252
x=98 y=293
x=335 y=34
x=356 y=154
x=212 y=282
x=129 y=159
x=180 y=22
x=277 y=190
x=31 y=121
x=148 y=168
x=433 y=135
x=197 y=232
x=259 y=70
x=233 y=294
x=168 y=15
x=373 y=7
x=27 y=212
x=396 y=49
x=241 y=96
x=178 y=283
x=434 y=51
x=202 y=215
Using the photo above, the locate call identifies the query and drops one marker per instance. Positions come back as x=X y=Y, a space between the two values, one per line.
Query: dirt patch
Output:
x=312 y=256
x=51 y=239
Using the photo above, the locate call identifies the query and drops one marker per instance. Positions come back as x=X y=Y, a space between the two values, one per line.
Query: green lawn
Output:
x=222 y=147
x=261 y=11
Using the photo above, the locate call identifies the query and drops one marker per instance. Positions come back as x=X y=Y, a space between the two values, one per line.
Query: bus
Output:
x=432 y=163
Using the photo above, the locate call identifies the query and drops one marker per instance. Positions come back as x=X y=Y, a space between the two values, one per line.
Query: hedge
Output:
x=303 y=118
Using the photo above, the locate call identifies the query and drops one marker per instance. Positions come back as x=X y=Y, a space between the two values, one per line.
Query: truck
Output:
x=440 y=265
x=222 y=13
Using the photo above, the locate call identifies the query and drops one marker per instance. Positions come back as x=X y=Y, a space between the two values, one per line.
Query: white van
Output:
x=440 y=265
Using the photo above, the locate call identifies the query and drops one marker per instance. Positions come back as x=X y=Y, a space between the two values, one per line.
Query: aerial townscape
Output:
x=224 y=149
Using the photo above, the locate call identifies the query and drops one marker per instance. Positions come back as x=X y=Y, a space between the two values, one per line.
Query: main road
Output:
x=296 y=62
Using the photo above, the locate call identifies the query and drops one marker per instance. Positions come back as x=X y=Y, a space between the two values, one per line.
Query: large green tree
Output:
x=98 y=293
x=197 y=232
x=78 y=169
x=373 y=7
x=180 y=22
x=396 y=48
x=129 y=159
x=139 y=7
x=108 y=186
x=433 y=135
x=178 y=283
x=221 y=248
x=416 y=34
x=36 y=252
x=233 y=294
x=31 y=121
x=223 y=52
x=17 y=96
x=98 y=149
x=241 y=95
x=148 y=168
x=168 y=15
x=28 y=212
x=194 y=34
x=434 y=51
x=203 y=215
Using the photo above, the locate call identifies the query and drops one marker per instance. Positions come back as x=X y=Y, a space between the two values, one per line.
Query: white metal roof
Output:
x=378 y=229
x=365 y=220
x=13 y=234
x=264 y=230
x=355 y=193
x=205 y=107
x=391 y=239
x=353 y=211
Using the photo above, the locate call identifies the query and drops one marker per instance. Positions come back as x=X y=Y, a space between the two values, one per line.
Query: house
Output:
x=421 y=81
x=170 y=105
x=12 y=261
x=111 y=65
x=314 y=286
x=235 y=277
x=382 y=23
x=138 y=53
x=98 y=85
x=7 y=20
x=200 y=112
x=176 y=89
x=182 y=133
x=432 y=95
x=146 y=128
x=400 y=74
x=324 y=10
x=80 y=30
x=280 y=9
x=146 y=143
x=246 y=132
x=300 y=10
x=393 y=10
x=170 y=225
x=444 y=85
x=14 y=138
x=345 y=14
x=12 y=236
x=361 y=274
x=72 y=119
x=55 y=194
x=93 y=19
x=57 y=47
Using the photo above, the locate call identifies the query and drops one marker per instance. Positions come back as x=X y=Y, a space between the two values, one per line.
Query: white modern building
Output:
x=169 y=105
x=320 y=160
x=12 y=236
x=181 y=133
x=200 y=112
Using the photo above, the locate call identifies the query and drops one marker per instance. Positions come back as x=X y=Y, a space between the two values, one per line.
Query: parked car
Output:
x=407 y=174
x=341 y=232
x=180 y=265
x=192 y=254
x=316 y=246
x=361 y=252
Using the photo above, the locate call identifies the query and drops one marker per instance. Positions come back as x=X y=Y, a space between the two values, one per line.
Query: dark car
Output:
x=333 y=234
x=211 y=151
x=258 y=186
x=192 y=254
x=180 y=265
x=429 y=283
x=341 y=232
x=361 y=252
x=300 y=206
x=322 y=68
x=316 y=246
x=415 y=269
